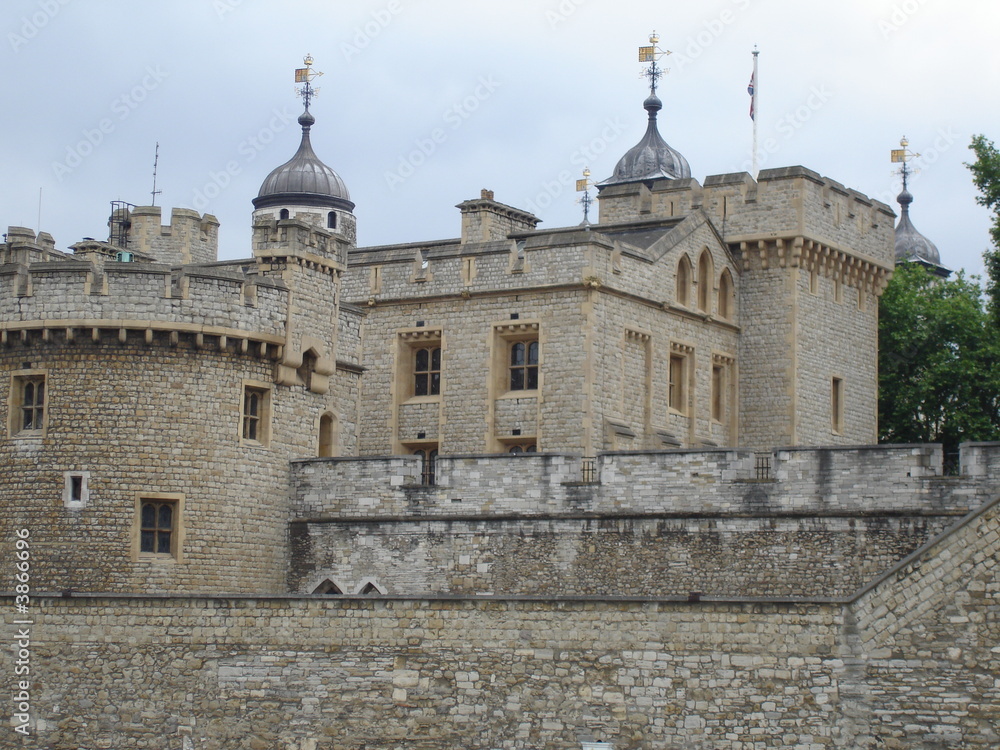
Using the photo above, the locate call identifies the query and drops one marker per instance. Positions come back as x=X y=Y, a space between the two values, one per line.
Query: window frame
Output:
x=837 y=394
x=526 y=370
x=262 y=438
x=427 y=375
x=19 y=380
x=159 y=499
x=682 y=281
x=410 y=342
x=682 y=383
x=70 y=500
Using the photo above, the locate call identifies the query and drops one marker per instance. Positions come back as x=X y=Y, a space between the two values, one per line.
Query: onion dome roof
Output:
x=910 y=244
x=304 y=179
x=651 y=158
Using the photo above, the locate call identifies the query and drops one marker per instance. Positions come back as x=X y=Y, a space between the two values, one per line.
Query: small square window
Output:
x=256 y=414
x=27 y=403
x=76 y=489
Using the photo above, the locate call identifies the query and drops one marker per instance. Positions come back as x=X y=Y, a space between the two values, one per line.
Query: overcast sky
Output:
x=425 y=102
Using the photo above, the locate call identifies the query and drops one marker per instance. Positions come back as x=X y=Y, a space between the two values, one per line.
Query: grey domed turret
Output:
x=651 y=158
x=304 y=180
x=910 y=244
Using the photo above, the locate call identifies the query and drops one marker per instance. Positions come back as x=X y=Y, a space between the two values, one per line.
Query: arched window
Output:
x=683 y=281
x=331 y=220
x=283 y=214
x=524 y=366
x=327 y=435
x=727 y=296
x=705 y=274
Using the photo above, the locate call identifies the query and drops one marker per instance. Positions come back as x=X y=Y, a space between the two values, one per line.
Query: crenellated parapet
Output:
x=74 y=301
x=190 y=237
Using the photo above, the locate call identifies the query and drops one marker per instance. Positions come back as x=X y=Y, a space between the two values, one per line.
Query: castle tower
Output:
x=304 y=187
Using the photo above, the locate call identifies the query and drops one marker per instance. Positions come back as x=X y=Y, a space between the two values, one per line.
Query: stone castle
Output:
x=523 y=488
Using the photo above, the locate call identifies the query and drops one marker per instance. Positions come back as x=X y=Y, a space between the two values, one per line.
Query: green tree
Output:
x=986 y=177
x=939 y=361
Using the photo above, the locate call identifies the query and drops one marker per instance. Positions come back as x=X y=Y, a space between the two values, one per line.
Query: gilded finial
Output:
x=305 y=76
x=651 y=54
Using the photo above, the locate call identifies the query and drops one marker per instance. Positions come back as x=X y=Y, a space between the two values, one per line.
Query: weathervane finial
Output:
x=903 y=155
x=583 y=186
x=305 y=76
x=650 y=54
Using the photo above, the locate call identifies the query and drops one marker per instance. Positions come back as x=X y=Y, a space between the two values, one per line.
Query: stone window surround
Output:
x=679 y=402
x=721 y=409
x=507 y=334
x=69 y=501
x=263 y=439
x=412 y=340
x=837 y=404
x=177 y=532
x=18 y=380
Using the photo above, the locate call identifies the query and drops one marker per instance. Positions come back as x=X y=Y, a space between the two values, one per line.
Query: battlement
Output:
x=788 y=481
x=220 y=300
x=189 y=237
x=297 y=238
x=790 y=202
x=22 y=246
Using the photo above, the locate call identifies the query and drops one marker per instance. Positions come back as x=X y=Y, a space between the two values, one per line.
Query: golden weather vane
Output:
x=583 y=186
x=903 y=155
x=305 y=76
x=650 y=54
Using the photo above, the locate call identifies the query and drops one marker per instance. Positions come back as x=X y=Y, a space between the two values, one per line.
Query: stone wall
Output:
x=141 y=419
x=885 y=479
x=909 y=664
x=654 y=524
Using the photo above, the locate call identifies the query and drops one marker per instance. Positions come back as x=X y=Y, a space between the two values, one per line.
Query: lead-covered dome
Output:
x=910 y=244
x=304 y=180
x=651 y=158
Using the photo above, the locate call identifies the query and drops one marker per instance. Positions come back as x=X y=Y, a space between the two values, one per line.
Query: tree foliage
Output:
x=939 y=361
x=986 y=177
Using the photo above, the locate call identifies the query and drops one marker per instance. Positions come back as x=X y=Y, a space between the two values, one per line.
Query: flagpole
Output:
x=753 y=107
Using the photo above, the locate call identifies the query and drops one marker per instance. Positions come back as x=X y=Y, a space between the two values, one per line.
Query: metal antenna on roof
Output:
x=305 y=76
x=156 y=162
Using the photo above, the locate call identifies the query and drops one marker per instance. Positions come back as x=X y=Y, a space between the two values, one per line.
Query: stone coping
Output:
x=557 y=601
x=548 y=515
